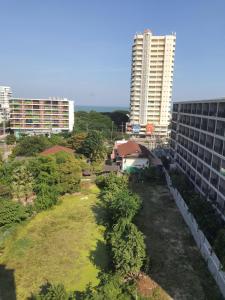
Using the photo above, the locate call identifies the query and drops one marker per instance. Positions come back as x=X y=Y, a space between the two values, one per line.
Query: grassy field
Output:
x=64 y=244
x=176 y=264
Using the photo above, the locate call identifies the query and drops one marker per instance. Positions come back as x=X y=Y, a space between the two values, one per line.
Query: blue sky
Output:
x=82 y=49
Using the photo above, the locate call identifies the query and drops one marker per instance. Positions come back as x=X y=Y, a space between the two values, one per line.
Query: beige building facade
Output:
x=151 y=84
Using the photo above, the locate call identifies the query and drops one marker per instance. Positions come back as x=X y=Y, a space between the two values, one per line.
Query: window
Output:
x=218 y=146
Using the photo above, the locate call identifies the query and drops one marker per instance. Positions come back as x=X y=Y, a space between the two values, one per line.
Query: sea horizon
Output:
x=99 y=108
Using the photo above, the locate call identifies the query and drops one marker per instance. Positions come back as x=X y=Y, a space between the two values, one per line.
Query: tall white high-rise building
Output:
x=151 y=84
x=5 y=96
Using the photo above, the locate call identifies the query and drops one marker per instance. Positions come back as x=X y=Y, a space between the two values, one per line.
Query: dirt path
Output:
x=176 y=264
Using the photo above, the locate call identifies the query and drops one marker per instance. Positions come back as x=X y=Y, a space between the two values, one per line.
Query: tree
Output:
x=128 y=247
x=31 y=145
x=57 y=139
x=22 y=184
x=85 y=121
x=11 y=212
x=93 y=146
x=10 y=139
x=44 y=170
x=76 y=140
x=69 y=175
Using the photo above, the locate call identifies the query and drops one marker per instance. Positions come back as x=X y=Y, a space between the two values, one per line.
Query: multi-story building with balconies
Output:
x=5 y=95
x=198 y=146
x=41 y=116
x=151 y=84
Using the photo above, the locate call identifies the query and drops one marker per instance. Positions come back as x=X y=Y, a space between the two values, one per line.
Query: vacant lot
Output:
x=64 y=244
x=176 y=264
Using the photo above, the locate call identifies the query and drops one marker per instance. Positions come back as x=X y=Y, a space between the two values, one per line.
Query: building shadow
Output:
x=7 y=284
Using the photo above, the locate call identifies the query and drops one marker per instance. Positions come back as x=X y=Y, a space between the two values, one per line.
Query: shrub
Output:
x=51 y=291
x=123 y=203
x=10 y=139
x=47 y=197
x=128 y=247
x=11 y=212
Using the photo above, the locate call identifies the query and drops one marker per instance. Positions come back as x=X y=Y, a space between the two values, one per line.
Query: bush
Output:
x=123 y=203
x=10 y=139
x=11 y=212
x=51 y=291
x=128 y=247
x=47 y=197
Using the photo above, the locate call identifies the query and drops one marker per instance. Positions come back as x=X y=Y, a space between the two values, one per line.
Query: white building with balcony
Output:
x=151 y=84
x=41 y=116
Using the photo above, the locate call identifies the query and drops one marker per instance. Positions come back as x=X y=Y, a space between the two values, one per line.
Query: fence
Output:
x=204 y=246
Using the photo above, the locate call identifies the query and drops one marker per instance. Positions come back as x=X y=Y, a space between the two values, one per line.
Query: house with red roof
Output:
x=132 y=156
x=55 y=149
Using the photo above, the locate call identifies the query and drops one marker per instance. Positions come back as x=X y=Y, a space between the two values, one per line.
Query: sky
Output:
x=81 y=49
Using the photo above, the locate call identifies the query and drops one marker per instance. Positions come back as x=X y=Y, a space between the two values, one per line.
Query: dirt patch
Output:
x=176 y=264
x=149 y=288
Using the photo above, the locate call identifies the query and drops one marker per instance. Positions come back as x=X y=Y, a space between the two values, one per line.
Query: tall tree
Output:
x=93 y=146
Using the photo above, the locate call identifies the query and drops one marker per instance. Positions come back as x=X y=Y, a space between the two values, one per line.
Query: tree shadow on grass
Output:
x=100 y=214
x=7 y=284
x=100 y=256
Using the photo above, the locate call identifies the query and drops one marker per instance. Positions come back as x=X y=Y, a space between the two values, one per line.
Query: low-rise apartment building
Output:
x=41 y=116
x=198 y=146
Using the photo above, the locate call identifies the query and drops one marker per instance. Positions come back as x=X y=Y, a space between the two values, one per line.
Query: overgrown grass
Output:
x=62 y=245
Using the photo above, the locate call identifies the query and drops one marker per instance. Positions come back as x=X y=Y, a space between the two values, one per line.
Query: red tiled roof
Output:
x=130 y=148
x=56 y=149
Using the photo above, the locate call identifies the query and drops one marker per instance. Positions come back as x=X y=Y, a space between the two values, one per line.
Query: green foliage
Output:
x=219 y=246
x=22 y=184
x=10 y=139
x=128 y=247
x=76 y=140
x=126 y=242
x=69 y=175
x=85 y=121
x=93 y=146
x=44 y=171
x=112 y=182
x=31 y=145
x=57 y=139
x=47 y=196
x=11 y=212
x=5 y=191
x=119 y=117
x=122 y=204
x=52 y=292
x=111 y=287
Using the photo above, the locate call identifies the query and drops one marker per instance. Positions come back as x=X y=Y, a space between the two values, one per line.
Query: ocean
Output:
x=99 y=108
